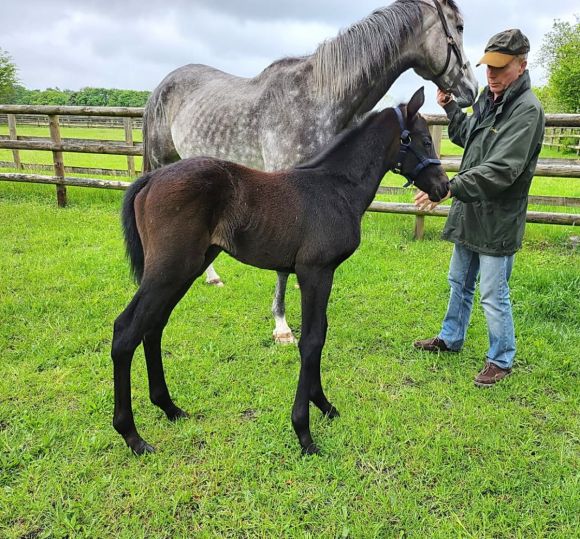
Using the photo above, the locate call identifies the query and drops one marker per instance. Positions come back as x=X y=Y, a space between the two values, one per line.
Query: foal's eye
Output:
x=427 y=142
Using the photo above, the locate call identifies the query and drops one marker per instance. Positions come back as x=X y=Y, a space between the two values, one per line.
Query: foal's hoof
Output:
x=215 y=282
x=312 y=449
x=176 y=414
x=332 y=413
x=142 y=448
x=284 y=338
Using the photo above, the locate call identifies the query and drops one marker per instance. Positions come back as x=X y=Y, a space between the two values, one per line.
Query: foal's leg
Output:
x=144 y=319
x=141 y=317
x=282 y=333
x=158 y=392
x=315 y=286
x=125 y=341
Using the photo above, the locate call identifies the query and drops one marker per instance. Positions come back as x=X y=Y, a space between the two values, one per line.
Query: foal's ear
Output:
x=416 y=102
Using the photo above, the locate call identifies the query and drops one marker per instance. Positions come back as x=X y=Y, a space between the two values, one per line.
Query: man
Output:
x=502 y=140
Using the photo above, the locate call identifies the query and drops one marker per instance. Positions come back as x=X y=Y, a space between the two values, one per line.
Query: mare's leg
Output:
x=211 y=277
x=282 y=333
x=315 y=285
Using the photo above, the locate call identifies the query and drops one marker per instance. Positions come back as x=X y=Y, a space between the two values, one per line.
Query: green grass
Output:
x=417 y=452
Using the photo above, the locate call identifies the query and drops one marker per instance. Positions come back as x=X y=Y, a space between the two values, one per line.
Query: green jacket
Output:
x=488 y=213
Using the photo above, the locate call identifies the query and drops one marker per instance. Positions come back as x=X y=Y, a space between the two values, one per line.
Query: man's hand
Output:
x=443 y=98
x=424 y=204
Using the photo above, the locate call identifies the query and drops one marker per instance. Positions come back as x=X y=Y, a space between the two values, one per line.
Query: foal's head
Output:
x=417 y=159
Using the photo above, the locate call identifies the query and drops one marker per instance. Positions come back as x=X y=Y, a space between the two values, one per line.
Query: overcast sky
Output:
x=133 y=44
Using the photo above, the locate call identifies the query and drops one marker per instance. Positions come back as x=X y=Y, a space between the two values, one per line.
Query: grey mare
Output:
x=294 y=107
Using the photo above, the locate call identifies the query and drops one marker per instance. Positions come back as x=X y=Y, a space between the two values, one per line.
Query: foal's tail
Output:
x=133 y=244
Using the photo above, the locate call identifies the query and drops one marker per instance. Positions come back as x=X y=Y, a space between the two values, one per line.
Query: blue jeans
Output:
x=494 y=273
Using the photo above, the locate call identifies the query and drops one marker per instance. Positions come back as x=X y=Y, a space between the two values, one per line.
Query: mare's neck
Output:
x=382 y=80
x=357 y=68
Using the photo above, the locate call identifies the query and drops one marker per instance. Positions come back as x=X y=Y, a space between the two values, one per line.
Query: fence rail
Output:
x=40 y=120
x=376 y=206
x=57 y=146
x=563 y=137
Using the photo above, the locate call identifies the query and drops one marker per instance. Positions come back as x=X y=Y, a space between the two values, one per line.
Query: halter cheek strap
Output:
x=405 y=147
x=451 y=46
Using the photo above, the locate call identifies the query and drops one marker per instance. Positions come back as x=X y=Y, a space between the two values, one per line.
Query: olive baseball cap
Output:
x=501 y=48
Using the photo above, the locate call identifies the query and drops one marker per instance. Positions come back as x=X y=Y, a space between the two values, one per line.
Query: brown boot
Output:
x=490 y=375
x=434 y=344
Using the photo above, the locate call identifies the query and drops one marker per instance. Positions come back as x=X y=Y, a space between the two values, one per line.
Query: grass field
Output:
x=417 y=452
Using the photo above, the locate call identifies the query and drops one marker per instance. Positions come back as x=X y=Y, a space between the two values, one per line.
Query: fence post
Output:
x=14 y=136
x=128 y=123
x=419 y=232
x=57 y=159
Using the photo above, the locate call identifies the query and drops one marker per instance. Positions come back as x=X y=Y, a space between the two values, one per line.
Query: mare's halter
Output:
x=404 y=149
x=451 y=46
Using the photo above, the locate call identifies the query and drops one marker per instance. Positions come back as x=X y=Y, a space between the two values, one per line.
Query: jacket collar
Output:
x=515 y=89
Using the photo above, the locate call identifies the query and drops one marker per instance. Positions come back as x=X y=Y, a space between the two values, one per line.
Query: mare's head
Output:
x=440 y=56
x=417 y=160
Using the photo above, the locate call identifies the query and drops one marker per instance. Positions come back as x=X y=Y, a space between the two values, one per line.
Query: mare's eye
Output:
x=460 y=29
x=427 y=142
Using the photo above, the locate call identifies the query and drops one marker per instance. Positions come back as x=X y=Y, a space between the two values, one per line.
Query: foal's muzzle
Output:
x=440 y=191
x=405 y=149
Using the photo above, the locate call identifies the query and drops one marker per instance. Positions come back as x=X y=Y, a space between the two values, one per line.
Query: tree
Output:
x=91 y=97
x=560 y=56
x=8 y=79
x=546 y=96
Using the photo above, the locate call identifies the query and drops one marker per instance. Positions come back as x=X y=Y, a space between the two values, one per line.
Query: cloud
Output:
x=134 y=44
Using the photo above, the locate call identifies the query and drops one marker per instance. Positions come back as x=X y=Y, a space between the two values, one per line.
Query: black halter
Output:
x=451 y=46
x=405 y=147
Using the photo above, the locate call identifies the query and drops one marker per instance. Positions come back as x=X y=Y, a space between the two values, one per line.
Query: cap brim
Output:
x=495 y=59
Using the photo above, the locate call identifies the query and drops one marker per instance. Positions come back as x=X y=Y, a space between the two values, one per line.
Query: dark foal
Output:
x=305 y=220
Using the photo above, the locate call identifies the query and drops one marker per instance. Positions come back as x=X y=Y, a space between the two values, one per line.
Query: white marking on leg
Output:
x=282 y=333
x=211 y=276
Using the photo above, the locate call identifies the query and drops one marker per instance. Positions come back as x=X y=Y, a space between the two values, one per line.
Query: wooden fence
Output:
x=41 y=120
x=57 y=145
x=567 y=138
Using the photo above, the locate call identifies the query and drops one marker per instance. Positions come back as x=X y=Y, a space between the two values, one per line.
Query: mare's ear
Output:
x=416 y=102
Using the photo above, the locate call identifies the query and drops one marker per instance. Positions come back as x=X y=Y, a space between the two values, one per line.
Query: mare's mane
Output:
x=341 y=61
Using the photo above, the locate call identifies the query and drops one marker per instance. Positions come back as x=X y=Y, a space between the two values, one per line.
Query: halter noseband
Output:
x=405 y=147
x=451 y=46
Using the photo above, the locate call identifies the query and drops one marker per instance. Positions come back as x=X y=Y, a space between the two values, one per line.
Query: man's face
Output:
x=499 y=78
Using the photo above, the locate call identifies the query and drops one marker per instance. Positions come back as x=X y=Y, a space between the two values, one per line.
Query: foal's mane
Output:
x=340 y=62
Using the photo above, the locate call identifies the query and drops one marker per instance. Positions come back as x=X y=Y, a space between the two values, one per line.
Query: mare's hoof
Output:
x=312 y=449
x=176 y=414
x=142 y=448
x=332 y=413
x=284 y=338
x=215 y=282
